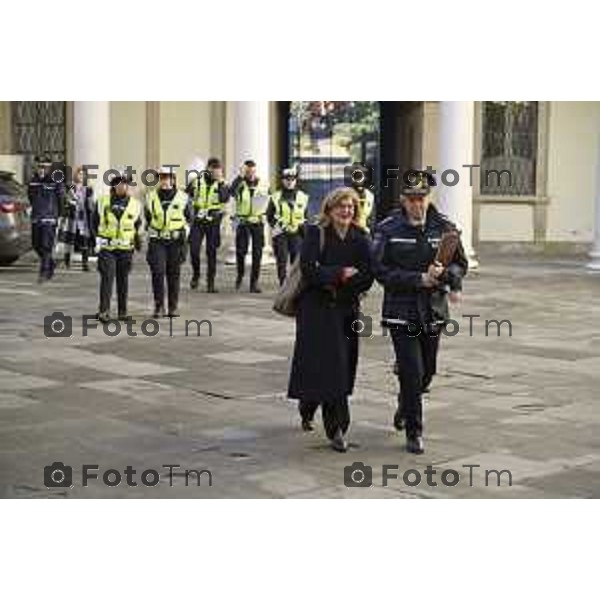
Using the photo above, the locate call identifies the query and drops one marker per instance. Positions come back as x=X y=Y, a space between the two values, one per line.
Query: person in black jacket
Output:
x=335 y=265
x=416 y=290
x=46 y=197
x=208 y=195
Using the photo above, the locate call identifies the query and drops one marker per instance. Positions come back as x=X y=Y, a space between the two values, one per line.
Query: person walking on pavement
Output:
x=166 y=214
x=117 y=221
x=78 y=234
x=416 y=291
x=335 y=263
x=208 y=194
x=46 y=197
x=286 y=215
x=251 y=197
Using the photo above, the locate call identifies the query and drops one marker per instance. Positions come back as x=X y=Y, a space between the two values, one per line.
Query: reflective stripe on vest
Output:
x=206 y=197
x=175 y=215
x=366 y=207
x=251 y=208
x=291 y=217
x=113 y=233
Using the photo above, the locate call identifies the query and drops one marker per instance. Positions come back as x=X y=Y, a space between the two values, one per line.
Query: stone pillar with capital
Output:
x=251 y=137
x=455 y=195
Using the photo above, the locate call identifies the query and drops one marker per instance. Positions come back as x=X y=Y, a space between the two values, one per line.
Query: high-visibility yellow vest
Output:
x=291 y=217
x=366 y=208
x=206 y=197
x=164 y=223
x=113 y=233
x=251 y=209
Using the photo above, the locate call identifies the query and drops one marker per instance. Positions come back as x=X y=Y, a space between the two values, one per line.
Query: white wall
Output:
x=185 y=132
x=128 y=136
x=573 y=144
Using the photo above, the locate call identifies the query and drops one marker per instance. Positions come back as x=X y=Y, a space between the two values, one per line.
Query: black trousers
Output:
x=335 y=411
x=243 y=233
x=164 y=258
x=285 y=245
x=211 y=230
x=114 y=264
x=43 y=236
x=416 y=357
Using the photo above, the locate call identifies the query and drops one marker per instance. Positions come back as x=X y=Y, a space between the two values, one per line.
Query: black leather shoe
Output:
x=414 y=445
x=159 y=312
x=255 y=290
x=123 y=317
x=238 y=283
x=210 y=288
x=104 y=317
x=398 y=420
x=173 y=314
x=194 y=283
x=307 y=425
x=338 y=443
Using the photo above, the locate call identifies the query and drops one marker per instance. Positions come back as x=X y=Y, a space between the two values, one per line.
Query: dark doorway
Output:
x=382 y=135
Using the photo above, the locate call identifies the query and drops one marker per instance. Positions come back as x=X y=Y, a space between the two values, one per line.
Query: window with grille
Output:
x=509 y=150
x=39 y=128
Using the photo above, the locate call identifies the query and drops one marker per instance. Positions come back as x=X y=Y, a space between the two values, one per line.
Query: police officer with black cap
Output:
x=46 y=195
x=416 y=291
x=286 y=215
x=251 y=195
x=117 y=223
x=167 y=214
x=208 y=194
x=366 y=198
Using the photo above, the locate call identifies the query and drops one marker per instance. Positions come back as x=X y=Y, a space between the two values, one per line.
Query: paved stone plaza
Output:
x=526 y=403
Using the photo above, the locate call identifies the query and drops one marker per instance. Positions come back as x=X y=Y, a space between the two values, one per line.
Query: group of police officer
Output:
x=416 y=288
x=175 y=220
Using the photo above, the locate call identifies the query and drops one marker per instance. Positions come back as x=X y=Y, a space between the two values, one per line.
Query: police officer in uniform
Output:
x=46 y=197
x=251 y=199
x=366 y=203
x=286 y=214
x=416 y=290
x=117 y=222
x=208 y=194
x=166 y=219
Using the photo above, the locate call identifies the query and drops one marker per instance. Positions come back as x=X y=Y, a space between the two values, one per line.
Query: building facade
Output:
x=551 y=149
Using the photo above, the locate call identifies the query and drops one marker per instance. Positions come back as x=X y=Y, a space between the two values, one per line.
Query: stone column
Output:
x=91 y=139
x=456 y=149
x=594 y=264
x=251 y=141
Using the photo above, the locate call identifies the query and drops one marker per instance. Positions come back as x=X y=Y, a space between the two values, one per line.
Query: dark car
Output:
x=15 y=219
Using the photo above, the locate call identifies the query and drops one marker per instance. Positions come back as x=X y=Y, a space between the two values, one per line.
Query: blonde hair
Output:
x=335 y=198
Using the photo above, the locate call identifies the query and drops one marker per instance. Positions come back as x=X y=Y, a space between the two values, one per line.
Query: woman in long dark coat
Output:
x=336 y=268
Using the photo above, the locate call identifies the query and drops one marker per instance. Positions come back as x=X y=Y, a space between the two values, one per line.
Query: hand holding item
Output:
x=347 y=273
x=435 y=269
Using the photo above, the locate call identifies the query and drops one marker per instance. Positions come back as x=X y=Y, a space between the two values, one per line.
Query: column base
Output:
x=594 y=264
x=473 y=262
